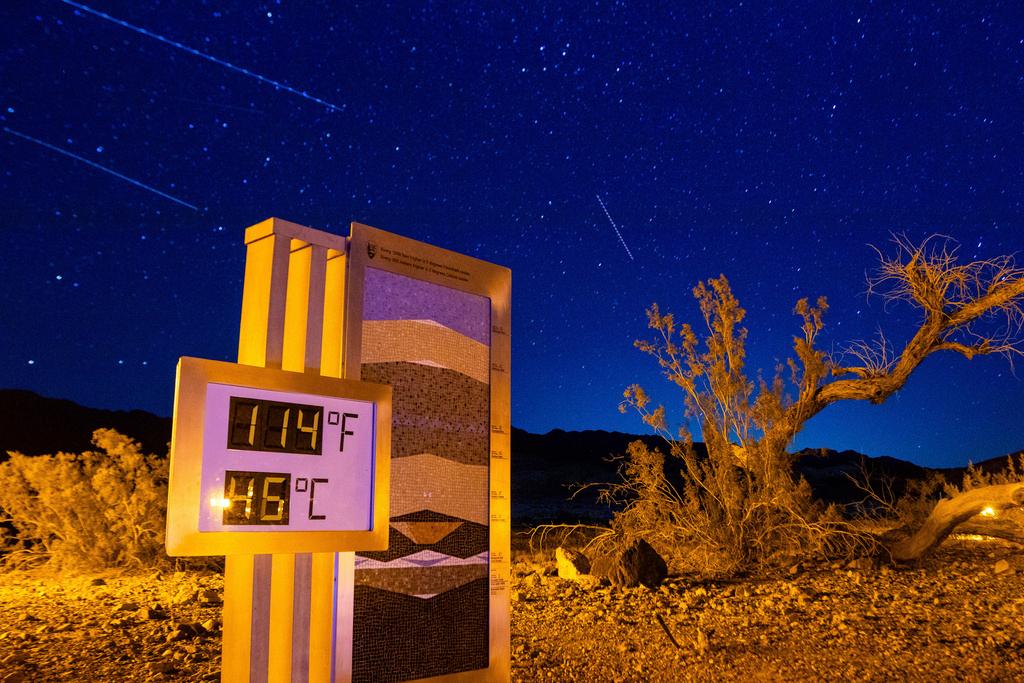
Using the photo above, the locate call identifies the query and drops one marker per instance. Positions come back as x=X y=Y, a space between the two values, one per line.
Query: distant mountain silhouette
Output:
x=33 y=424
x=545 y=467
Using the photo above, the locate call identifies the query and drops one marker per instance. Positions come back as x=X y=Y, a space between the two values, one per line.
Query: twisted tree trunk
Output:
x=951 y=512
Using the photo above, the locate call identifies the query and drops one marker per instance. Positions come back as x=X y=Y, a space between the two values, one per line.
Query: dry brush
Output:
x=740 y=507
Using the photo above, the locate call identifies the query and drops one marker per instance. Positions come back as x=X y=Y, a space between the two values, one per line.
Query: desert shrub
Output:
x=886 y=505
x=723 y=519
x=88 y=510
x=739 y=507
x=913 y=507
x=974 y=477
x=910 y=508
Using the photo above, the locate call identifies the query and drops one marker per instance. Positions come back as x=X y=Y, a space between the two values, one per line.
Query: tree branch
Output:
x=1003 y=295
x=968 y=352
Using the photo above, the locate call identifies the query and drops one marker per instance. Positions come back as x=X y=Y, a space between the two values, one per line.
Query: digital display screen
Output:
x=256 y=497
x=274 y=426
x=285 y=461
x=273 y=461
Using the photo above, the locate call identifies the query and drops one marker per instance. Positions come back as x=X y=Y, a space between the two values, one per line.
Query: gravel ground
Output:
x=958 y=616
x=141 y=627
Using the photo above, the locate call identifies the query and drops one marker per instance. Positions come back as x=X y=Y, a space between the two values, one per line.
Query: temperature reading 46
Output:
x=256 y=497
x=265 y=497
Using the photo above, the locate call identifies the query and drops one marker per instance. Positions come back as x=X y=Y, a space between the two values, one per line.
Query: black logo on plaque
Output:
x=371 y=249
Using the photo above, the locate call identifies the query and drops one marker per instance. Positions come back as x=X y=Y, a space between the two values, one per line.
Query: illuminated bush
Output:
x=86 y=510
x=910 y=509
x=740 y=506
x=975 y=477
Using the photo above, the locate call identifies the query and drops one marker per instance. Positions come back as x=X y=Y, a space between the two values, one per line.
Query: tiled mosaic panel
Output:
x=409 y=637
x=444 y=483
x=421 y=606
x=396 y=297
x=423 y=584
x=467 y=540
x=436 y=411
x=425 y=342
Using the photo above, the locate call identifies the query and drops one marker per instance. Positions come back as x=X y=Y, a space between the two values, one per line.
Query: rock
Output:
x=185 y=595
x=184 y=631
x=210 y=597
x=588 y=581
x=210 y=625
x=861 y=563
x=571 y=563
x=162 y=667
x=97 y=582
x=1001 y=567
x=794 y=570
x=630 y=566
x=126 y=607
x=151 y=613
x=703 y=644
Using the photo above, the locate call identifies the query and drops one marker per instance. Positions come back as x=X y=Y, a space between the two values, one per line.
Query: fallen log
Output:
x=1003 y=529
x=949 y=513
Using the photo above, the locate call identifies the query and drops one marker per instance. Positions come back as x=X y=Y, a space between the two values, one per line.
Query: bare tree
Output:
x=972 y=309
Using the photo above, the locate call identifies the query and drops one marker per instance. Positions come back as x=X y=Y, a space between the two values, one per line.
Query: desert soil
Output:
x=957 y=616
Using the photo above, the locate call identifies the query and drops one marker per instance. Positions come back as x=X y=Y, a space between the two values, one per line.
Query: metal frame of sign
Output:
x=368 y=247
x=183 y=534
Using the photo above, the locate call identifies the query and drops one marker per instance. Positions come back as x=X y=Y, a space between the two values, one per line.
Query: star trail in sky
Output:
x=100 y=167
x=773 y=143
x=201 y=55
x=615 y=228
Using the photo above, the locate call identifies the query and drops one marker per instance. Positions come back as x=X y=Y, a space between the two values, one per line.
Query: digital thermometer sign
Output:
x=266 y=461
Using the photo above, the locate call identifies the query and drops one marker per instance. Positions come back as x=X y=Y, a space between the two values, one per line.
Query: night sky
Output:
x=770 y=144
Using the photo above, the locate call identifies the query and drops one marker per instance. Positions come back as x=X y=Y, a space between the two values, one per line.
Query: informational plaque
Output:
x=434 y=325
x=264 y=460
